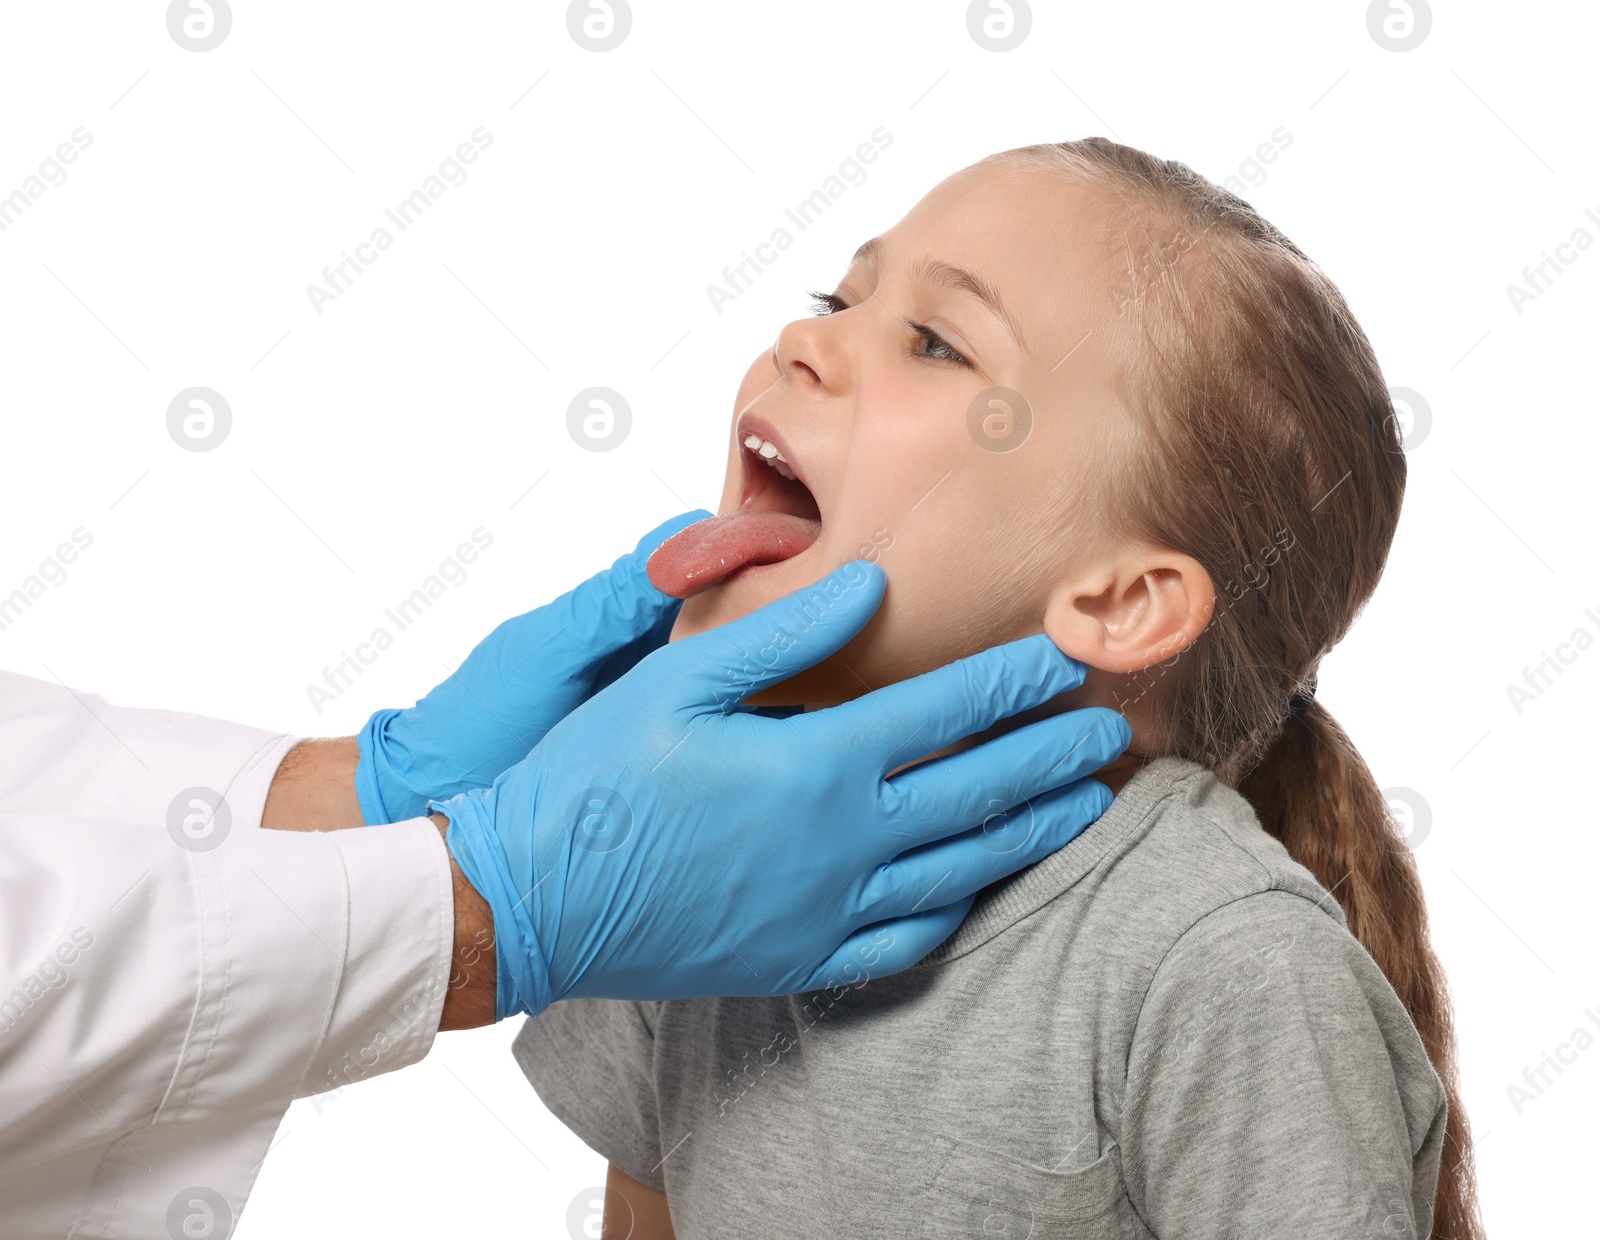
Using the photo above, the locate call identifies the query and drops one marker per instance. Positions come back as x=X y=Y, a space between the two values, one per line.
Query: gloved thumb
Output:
x=726 y=664
x=618 y=605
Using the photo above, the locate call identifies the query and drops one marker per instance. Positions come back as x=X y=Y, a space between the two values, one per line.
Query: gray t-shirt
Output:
x=1163 y=1029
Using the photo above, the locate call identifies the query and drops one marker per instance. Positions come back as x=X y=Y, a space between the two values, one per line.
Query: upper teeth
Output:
x=768 y=452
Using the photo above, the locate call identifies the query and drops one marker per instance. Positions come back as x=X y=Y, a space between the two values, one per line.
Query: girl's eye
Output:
x=826 y=303
x=936 y=345
x=931 y=344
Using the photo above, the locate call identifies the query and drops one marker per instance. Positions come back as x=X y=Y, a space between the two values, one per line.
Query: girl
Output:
x=1080 y=391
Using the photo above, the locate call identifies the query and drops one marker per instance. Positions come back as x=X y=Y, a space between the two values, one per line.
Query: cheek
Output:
x=954 y=526
x=962 y=569
x=906 y=441
x=732 y=479
x=757 y=379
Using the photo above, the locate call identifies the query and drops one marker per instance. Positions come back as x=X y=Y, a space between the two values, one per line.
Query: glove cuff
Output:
x=369 y=771
x=522 y=978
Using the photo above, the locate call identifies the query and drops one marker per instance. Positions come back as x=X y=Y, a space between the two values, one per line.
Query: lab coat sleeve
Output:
x=64 y=751
x=164 y=996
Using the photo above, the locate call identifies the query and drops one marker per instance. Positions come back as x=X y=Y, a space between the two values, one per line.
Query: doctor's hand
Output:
x=661 y=842
x=517 y=684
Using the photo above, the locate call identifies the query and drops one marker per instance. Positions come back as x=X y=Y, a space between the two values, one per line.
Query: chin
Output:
x=748 y=590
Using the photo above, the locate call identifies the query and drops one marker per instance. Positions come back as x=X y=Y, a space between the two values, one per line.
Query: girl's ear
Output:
x=1128 y=614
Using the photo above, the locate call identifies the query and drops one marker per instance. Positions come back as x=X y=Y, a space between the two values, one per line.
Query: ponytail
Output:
x=1315 y=794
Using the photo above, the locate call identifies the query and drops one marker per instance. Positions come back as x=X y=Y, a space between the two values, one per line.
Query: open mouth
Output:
x=772 y=483
x=777 y=519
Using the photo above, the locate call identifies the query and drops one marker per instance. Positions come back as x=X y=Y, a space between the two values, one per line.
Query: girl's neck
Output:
x=1116 y=773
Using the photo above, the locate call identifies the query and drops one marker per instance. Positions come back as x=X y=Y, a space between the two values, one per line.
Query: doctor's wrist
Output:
x=469 y=998
x=314 y=787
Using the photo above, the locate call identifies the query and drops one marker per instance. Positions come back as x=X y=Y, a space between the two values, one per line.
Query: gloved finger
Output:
x=619 y=604
x=581 y=633
x=1004 y=843
x=888 y=947
x=916 y=717
x=949 y=794
x=623 y=660
x=723 y=666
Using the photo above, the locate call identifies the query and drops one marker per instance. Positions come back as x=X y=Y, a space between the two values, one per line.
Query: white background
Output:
x=426 y=401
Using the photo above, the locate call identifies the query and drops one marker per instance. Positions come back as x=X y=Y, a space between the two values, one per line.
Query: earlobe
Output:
x=1133 y=614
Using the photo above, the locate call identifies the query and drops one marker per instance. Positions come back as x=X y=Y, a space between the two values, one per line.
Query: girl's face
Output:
x=884 y=405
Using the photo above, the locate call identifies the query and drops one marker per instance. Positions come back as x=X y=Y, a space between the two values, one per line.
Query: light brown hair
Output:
x=1270 y=454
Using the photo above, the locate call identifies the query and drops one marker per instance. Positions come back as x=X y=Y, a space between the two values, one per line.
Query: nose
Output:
x=816 y=352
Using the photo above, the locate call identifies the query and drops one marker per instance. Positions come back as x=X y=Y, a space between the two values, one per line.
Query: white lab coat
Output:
x=160 y=1006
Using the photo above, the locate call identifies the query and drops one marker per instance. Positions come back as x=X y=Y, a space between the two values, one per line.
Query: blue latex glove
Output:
x=515 y=686
x=660 y=843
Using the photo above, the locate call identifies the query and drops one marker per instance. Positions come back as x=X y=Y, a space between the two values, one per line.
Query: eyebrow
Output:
x=936 y=271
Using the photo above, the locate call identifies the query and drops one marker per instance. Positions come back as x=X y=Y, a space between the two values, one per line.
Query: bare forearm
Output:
x=634 y=1209
x=315 y=787
x=470 y=999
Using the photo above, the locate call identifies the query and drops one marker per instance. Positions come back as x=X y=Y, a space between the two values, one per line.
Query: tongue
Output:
x=696 y=558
